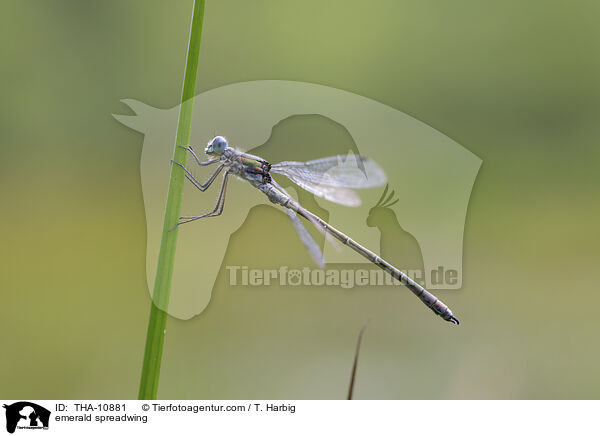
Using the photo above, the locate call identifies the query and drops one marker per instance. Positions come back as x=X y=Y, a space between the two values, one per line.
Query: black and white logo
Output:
x=26 y=415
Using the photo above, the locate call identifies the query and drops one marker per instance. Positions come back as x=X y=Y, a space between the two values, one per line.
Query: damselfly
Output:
x=326 y=178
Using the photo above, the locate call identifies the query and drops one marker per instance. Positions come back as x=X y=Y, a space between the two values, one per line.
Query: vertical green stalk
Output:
x=166 y=256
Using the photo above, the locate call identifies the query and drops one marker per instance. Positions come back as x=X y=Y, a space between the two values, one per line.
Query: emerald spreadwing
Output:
x=325 y=178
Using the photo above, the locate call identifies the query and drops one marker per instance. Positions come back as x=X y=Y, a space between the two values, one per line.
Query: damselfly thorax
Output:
x=247 y=166
x=256 y=171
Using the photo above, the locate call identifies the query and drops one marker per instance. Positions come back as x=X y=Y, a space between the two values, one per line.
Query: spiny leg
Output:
x=218 y=210
x=197 y=159
x=220 y=201
x=218 y=207
x=201 y=186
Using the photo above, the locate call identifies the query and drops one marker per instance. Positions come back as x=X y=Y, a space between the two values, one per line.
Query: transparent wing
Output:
x=352 y=171
x=333 y=178
x=305 y=236
x=346 y=197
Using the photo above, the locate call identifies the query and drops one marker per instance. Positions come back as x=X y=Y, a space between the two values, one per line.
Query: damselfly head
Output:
x=216 y=146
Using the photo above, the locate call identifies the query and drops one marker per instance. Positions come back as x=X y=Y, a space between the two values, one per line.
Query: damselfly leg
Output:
x=201 y=186
x=218 y=210
x=196 y=158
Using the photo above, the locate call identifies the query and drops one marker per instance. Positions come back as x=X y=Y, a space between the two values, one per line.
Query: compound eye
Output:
x=219 y=143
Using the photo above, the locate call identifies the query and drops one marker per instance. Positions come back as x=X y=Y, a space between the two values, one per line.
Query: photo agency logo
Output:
x=242 y=275
x=413 y=217
x=24 y=415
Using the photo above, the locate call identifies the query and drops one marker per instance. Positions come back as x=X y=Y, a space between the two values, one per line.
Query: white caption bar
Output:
x=250 y=417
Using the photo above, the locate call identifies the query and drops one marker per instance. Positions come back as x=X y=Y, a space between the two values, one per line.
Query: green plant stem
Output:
x=166 y=256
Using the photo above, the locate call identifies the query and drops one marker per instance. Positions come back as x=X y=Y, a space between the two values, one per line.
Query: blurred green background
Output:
x=516 y=83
